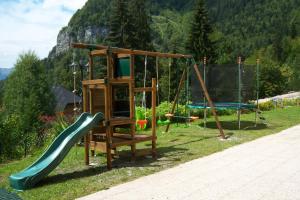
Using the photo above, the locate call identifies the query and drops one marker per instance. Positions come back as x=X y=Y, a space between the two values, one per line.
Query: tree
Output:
x=27 y=95
x=141 y=25
x=199 y=43
x=121 y=29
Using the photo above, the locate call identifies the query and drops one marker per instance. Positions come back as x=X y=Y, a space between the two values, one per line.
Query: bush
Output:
x=266 y=106
x=291 y=102
x=13 y=141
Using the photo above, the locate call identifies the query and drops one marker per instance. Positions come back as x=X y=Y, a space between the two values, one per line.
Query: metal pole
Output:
x=239 y=91
x=187 y=92
x=204 y=99
x=257 y=91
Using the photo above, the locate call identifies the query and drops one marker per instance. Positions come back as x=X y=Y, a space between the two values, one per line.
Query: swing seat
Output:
x=142 y=124
x=169 y=115
x=193 y=118
x=160 y=122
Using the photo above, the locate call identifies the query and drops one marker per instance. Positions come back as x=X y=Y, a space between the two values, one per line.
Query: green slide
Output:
x=55 y=153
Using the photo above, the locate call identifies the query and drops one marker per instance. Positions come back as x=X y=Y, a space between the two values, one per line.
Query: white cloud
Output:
x=32 y=25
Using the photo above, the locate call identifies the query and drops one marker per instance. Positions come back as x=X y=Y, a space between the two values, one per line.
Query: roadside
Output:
x=267 y=168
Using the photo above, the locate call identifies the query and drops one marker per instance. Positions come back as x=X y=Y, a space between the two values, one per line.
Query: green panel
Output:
x=55 y=153
x=123 y=67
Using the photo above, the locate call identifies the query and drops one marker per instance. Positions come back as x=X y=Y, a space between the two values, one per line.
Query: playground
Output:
x=72 y=179
x=109 y=118
x=120 y=125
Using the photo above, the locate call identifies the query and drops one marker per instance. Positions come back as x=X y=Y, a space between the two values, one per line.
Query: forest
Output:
x=268 y=30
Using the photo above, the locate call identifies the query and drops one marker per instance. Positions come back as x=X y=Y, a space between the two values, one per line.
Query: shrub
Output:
x=266 y=106
x=14 y=142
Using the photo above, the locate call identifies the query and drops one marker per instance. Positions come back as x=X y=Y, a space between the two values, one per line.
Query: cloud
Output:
x=32 y=25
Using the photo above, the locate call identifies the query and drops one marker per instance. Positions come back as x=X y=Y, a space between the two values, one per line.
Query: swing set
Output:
x=116 y=92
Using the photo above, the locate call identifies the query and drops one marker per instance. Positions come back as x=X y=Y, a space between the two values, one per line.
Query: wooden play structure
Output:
x=114 y=96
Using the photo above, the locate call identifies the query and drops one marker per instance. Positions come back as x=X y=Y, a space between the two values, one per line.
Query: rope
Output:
x=169 y=92
x=144 y=93
x=73 y=65
x=157 y=80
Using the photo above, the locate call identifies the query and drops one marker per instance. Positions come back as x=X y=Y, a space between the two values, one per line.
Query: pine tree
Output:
x=141 y=20
x=199 y=43
x=121 y=30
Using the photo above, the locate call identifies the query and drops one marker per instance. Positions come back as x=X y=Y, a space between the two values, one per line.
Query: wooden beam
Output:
x=101 y=52
x=210 y=103
x=143 y=89
x=177 y=96
x=129 y=51
x=93 y=82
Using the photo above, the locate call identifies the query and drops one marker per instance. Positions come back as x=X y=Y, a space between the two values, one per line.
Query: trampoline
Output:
x=231 y=86
x=223 y=105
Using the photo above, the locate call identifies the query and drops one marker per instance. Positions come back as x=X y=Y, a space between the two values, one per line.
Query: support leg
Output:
x=133 y=152
x=239 y=119
x=205 y=117
x=86 y=149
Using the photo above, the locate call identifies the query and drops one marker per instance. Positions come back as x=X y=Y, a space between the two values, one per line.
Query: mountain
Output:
x=242 y=25
x=269 y=29
x=4 y=72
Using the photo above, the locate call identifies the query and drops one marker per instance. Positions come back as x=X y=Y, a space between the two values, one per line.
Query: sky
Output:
x=32 y=25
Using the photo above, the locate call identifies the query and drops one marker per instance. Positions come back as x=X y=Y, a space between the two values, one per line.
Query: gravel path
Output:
x=266 y=168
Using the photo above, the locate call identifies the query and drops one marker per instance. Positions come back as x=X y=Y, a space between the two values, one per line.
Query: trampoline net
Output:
x=224 y=85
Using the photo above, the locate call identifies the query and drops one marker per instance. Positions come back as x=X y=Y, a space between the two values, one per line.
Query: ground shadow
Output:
x=170 y=153
x=233 y=125
x=120 y=162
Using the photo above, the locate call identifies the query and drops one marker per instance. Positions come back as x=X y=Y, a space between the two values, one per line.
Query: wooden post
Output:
x=153 y=118
x=91 y=75
x=86 y=137
x=132 y=106
x=203 y=86
x=177 y=96
x=108 y=106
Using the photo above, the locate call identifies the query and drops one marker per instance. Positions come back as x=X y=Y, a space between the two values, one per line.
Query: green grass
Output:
x=73 y=179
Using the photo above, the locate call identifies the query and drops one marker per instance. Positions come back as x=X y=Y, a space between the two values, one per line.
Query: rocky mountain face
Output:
x=90 y=34
x=89 y=24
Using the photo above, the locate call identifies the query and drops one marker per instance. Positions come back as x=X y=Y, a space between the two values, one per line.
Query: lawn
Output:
x=73 y=179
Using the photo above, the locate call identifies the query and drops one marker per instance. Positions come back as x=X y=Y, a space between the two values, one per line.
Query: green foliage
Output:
x=27 y=95
x=141 y=20
x=57 y=126
x=1 y=92
x=120 y=25
x=93 y=13
x=13 y=140
x=266 y=106
x=272 y=82
x=238 y=28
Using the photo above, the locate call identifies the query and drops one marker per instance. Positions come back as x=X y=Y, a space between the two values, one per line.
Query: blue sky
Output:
x=32 y=25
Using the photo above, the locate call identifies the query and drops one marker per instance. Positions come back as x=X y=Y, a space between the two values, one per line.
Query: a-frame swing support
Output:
x=210 y=103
